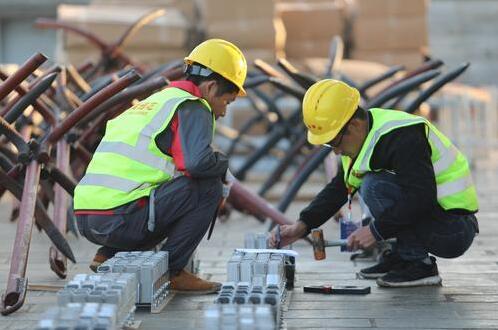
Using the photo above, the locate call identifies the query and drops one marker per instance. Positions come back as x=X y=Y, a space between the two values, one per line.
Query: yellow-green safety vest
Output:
x=455 y=188
x=127 y=164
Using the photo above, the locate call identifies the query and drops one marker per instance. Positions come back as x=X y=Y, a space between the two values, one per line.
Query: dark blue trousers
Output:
x=439 y=232
x=184 y=209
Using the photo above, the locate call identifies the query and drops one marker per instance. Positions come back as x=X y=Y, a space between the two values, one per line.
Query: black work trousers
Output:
x=184 y=208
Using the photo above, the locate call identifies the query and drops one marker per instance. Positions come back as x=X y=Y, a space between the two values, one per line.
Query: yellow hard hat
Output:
x=221 y=57
x=327 y=107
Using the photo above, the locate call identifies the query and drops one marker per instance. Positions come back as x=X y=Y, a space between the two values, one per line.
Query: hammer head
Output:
x=318 y=244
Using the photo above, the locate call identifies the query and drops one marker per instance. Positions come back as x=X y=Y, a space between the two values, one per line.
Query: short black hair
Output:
x=360 y=113
x=224 y=85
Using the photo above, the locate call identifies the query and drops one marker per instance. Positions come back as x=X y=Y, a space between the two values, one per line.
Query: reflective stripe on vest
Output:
x=140 y=153
x=364 y=166
x=455 y=188
x=450 y=188
x=448 y=155
x=128 y=164
x=112 y=182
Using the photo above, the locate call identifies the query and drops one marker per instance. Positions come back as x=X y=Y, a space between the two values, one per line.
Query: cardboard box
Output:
x=110 y=22
x=390 y=33
x=187 y=7
x=234 y=10
x=307 y=48
x=149 y=57
x=255 y=33
x=388 y=8
x=311 y=21
x=410 y=58
x=267 y=55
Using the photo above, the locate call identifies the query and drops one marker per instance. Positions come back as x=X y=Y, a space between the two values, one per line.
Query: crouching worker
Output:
x=154 y=175
x=415 y=182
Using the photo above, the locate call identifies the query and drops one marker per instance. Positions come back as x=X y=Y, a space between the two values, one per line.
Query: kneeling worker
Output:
x=154 y=175
x=416 y=183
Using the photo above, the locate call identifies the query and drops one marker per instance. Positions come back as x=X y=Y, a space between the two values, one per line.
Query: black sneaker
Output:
x=414 y=273
x=388 y=261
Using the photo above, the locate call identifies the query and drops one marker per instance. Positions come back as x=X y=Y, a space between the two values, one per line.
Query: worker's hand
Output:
x=228 y=181
x=361 y=238
x=288 y=234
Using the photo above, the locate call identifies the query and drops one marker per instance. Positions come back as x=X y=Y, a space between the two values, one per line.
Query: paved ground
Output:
x=468 y=298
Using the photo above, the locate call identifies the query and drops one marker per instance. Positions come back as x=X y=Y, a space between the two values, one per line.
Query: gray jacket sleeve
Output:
x=195 y=124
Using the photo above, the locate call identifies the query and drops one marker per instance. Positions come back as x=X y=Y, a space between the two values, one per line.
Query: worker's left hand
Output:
x=361 y=238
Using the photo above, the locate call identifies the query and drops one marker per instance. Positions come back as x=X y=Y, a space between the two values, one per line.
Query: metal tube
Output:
x=125 y=96
x=284 y=163
x=22 y=73
x=17 y=282
x=30 y=98
x=38 y=104
x=13 y=136
x=300 y=179
x=302 y=79
x=58 y=262
x=44 y=23
x=246 y=201
x=86 y=107
x=41 y=216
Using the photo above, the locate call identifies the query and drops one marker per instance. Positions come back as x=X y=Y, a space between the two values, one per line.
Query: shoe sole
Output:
x=94 y=267
x=372 y=276
x=198 y=292
x=427 y=281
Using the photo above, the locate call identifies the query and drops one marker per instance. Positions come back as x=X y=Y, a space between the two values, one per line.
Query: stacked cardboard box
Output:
x=390 y=31
x=251 y=25
x=310 y=26
x=160 y=41
x=187 y=7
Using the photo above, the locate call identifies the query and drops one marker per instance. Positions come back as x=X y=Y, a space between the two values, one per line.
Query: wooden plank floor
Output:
x=468 y=298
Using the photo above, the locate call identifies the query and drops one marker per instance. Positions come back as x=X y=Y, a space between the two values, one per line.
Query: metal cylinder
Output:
x=318 y=244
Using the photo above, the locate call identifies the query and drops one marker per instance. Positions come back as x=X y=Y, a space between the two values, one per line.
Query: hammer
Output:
x=319 y=244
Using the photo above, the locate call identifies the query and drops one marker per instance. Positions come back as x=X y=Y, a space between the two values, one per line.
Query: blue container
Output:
x=347 y=227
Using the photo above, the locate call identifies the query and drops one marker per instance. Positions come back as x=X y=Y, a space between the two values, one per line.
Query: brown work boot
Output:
x=103 y=253
x=97 y=261
x=186 y=282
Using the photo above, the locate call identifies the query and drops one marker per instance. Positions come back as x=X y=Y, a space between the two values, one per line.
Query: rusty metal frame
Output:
x=15 y=292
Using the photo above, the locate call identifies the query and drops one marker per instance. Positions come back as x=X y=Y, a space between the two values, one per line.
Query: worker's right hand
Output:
x=228 y=181
x=288 y=234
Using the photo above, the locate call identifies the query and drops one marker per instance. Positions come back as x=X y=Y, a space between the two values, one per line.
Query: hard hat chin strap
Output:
x=197 y=70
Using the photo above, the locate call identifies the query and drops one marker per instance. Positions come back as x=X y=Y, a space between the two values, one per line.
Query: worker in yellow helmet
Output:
x=155 y=175
x=416 y=183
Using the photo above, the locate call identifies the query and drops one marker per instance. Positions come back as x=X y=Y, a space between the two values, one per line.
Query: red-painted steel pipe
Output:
x=22 y=73
x=246 y=201
x=90 y=104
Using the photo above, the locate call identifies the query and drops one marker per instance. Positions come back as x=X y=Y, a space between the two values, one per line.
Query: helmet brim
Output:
x=242 y=91
x=319 y=139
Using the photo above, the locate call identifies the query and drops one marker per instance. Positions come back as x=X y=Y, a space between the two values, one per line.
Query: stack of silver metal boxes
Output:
x=80 y=316
x=152 y=274
x=255 y=289
x=117 y=289
x=245 y=293
x=246 y=317
x=253 y=275
x=256 y=240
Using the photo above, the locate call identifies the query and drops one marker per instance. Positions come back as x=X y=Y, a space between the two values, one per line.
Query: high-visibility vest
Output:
x=127 y=164
x=455 y=188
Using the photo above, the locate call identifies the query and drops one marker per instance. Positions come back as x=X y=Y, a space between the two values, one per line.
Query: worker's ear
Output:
x=208 y=88
x=353 y=124
x=211 y=87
